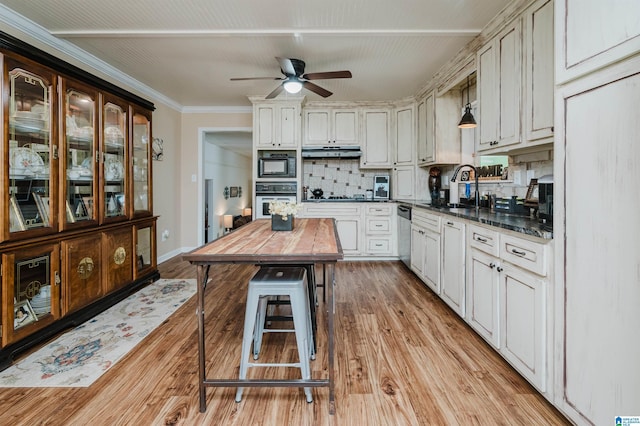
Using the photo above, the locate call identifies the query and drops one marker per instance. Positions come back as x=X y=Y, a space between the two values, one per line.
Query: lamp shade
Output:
x=292 y=85
x=227 y=220
x=467 y=121
x=246 y=211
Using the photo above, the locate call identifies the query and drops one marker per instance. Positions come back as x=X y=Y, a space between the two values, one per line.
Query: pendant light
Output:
x=467 y=121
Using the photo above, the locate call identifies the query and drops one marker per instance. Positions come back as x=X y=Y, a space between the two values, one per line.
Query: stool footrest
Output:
x=279 y=318
x=273 y=364
x=257 y=383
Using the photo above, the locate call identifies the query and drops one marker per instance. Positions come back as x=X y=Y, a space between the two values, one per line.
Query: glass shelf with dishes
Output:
x=79 y=153
x=114 y=154
x=30 y=91
x=141 y=160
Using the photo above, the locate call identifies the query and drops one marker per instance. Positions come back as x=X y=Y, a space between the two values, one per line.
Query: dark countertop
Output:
x=517 y=223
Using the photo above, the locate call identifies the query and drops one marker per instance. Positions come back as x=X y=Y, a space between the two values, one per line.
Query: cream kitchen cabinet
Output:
x=380 y=226
x=499 y=84
x=426 y=248
x=376 y=139
x=438 y=132
x=276 y=124
x=538 y=73
x=405 y=136
x=330 y=126
x=348 y=218
x=403 y=183
x=453 y=264
x=482 y=295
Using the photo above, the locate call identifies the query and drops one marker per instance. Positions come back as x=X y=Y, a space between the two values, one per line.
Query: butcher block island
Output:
x=313 y=240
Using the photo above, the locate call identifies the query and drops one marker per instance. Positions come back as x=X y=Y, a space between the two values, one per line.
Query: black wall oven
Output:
x=276 y=164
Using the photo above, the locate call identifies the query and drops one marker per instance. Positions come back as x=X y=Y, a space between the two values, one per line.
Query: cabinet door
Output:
x=349 y=234
x=487 y=97
x=78 y=154
x=523 y=323
x=403 y=183
x=28 y=151
x=82 y=272
x=115 y=171
x=141 y=182
x=30 y=291
x=509 y=90
x=316 y=127
x=430 y=129
x=422 y=132
x=376 y=137
x=538 y=70
x=118 y=258
x=417 y=249
x=288 y=123
x=264 y=125
x=482 y=296
x=345 y=127
x=453 y=265
x=432 y=259
x=145 y=248
x=581 y=49
x=405 y=145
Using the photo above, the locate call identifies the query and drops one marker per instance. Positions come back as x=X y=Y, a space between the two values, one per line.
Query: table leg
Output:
x=202 y=278
x=332 y=308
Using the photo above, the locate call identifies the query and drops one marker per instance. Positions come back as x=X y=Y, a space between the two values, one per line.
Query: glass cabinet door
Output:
x=141 y=158
x=114 y=152
x=30 y=118
x=79 y=154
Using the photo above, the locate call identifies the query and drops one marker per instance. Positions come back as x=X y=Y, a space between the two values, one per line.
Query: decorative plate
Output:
x=113 y=169
x=25 y=158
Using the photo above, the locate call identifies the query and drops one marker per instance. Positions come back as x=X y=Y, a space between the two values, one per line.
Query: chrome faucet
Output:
x=475 y=174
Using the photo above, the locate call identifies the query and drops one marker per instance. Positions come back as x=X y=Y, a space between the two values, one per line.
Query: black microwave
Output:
x=276 y=164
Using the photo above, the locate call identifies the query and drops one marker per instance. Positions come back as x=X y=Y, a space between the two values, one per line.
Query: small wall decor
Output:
x=233 y=192
x=157 y=149
x=226 y=192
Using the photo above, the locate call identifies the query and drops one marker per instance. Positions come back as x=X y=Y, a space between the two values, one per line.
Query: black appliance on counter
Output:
x=276 y=164
x=545 y=201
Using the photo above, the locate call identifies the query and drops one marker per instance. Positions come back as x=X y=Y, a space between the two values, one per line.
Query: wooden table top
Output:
x=312 y=240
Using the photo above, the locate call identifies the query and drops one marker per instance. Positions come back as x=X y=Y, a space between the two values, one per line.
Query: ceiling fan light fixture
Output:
x=292 y=85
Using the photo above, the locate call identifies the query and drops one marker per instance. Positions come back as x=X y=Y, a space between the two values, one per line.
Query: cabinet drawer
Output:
x=379 y=245
x=378 y=225
x=524 y=253
x=379 y=210
x=427 y=220
x=484 y=240
x=330 y=209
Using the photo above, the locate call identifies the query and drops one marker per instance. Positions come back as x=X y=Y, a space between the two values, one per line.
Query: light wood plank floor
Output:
x=402 y=358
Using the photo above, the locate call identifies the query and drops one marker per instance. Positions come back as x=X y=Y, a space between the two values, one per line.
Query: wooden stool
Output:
x=278 y=281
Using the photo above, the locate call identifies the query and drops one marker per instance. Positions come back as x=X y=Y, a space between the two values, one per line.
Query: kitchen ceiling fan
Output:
x=295 y=79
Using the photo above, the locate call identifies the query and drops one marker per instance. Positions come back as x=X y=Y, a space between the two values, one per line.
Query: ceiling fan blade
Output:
x=316 y=89
x=327 y=75
x=275 y=92
x=286 y=65
x=255 y=78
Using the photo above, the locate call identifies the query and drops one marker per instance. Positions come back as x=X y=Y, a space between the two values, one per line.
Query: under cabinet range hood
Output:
x=344 y=151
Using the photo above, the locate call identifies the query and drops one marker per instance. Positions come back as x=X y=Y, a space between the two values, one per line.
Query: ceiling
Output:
x=188 y=50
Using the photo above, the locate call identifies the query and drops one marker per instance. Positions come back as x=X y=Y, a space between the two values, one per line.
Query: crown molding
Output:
x=217 y=109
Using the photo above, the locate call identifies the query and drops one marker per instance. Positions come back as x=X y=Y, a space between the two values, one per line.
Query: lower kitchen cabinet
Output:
x=483 y=310
x=348 y=218
x=380 y=220
x=82 y=271
x=425 y=248
x=453 y=265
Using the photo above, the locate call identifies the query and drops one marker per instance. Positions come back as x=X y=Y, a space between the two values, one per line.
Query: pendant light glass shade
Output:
x=292 y=85
x=467 y=121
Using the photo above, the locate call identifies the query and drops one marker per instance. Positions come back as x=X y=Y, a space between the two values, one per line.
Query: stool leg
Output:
x=247 y=337
x=301 y=325
x=259 y=329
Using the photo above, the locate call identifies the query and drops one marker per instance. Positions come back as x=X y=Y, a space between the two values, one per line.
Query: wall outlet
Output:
x=165 y=235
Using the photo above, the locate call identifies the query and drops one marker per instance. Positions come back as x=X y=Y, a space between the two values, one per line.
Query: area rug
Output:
x=80 y=356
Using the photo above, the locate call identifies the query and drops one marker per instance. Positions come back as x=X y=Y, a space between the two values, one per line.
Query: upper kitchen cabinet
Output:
x=405 y=136
x=28 y=149
x=538 y=73
x=276 y=124
x=581 y=48
x=330 y=126
x=499 y=83
x=376 y=139
x=438 y=132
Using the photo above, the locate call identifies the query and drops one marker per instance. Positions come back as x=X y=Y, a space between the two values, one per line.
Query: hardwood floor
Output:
x=402 y=358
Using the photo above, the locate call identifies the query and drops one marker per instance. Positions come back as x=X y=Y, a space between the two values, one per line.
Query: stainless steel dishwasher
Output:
x=404 y=234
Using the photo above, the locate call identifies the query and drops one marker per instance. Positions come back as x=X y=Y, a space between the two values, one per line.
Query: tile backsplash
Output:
x=339 y=177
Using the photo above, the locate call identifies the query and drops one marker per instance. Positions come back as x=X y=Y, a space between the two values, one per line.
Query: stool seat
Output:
x=266 y=283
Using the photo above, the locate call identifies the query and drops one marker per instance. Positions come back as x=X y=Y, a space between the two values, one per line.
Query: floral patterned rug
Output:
x=80 y=356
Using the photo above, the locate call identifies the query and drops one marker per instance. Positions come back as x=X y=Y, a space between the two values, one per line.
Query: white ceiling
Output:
x=188 y=50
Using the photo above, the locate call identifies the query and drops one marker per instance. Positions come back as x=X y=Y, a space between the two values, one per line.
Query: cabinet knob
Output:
x=500 y=269
x=492 y=265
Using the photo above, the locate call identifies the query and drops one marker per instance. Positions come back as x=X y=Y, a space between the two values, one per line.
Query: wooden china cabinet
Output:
x=77 y=230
